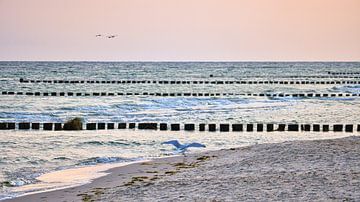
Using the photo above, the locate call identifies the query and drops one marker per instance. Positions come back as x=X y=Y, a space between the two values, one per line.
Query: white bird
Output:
x=181 y=148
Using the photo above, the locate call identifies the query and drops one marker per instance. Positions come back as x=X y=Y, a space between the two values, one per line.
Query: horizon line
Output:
x=199 y=61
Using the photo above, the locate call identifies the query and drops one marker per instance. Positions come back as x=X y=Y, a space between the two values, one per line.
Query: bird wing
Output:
x=195 y=144
x=173 y=142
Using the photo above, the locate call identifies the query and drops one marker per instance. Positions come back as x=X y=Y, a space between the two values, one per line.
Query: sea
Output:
x=25 y=156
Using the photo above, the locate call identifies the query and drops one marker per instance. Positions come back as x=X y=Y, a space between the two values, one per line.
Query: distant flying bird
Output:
x=111 y=36
x=181 y=148
x=107 y=36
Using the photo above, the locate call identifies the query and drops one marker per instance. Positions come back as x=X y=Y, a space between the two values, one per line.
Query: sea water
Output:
x=25 y=155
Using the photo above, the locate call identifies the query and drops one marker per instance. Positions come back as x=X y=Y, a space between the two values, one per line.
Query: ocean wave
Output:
x=61 y=158
x=98 y=160
x=110 y=143
x=188 y=104
x=337 y=98
x=19 y=182
x=7 y=143
x=287 y=99
x=13 y=183
x=21 y=177
x=25 y=116
x=347 y=89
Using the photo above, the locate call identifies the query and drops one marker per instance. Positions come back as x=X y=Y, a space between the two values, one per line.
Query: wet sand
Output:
x=320 y=170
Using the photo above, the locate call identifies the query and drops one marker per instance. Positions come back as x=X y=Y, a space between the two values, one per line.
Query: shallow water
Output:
x=26 y=155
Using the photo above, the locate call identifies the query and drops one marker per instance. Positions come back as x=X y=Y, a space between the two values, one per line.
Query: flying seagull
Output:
x=98 y=35
x=181 y=148
x=111 y=36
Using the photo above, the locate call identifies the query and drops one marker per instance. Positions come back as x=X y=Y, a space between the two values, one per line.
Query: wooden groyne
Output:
x=344 y=73
x=197 y=82
x=211 y=127
x=178 y=94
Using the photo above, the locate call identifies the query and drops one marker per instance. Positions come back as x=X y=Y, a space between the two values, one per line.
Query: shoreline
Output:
x=104 y=176
x=67 y=178
x=131 y=181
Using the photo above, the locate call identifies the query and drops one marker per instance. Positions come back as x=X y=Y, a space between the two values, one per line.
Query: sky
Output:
x=180 y=30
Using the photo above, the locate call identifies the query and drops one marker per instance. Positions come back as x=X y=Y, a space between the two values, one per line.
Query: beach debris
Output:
x=138 y=179
x=203 y=158
x=152 y=171
x=181 y=148
x=171 y=172
x=98 y=191
x=147 y=163
x=85 y=197
x=6 y=184
x=73 y=124
x=154 y=178
x=92 y=195
x=185 y=166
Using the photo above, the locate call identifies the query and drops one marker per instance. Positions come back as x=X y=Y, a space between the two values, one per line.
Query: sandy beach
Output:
x=319 y=170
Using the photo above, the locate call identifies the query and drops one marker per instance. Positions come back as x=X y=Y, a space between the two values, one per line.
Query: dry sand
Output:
x=320 y=170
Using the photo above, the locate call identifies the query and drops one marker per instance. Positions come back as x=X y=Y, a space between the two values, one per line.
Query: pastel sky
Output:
x=167 y=30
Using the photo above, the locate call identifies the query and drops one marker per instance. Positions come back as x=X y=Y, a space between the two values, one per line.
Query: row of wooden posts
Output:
x=343 y=73
x=282 y=82
x=259 y=127
x=182 y=94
